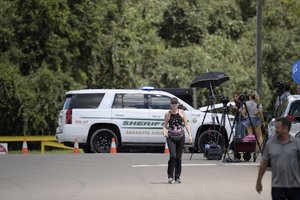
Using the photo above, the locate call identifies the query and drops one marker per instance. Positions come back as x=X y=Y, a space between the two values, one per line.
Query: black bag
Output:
x=213 y=152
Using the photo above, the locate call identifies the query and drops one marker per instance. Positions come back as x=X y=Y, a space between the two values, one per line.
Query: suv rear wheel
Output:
x=100 y=141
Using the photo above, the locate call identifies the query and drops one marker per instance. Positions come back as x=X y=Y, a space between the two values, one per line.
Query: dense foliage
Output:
x=50 y=46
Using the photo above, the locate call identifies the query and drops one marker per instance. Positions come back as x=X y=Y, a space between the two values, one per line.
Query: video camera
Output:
x=224 y=100
x=243 y=98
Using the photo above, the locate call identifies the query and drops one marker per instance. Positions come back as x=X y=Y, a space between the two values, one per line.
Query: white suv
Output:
x=133 y=117
x=289 y=108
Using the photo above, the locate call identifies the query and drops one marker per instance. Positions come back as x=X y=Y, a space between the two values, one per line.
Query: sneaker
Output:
x=171 y=180
x=177 y=180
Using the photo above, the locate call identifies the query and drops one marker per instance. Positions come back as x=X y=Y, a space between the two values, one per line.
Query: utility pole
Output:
x=258 y=47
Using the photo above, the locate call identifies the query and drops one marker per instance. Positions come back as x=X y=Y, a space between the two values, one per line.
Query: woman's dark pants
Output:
x=176 y=150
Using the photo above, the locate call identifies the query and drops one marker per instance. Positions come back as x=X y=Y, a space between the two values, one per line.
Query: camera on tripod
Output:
x=224 y=100
x=243 y=98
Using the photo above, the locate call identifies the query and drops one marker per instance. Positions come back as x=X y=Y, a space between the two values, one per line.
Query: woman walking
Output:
x=174 y=122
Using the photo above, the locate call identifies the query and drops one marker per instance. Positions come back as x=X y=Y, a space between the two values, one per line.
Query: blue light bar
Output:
x=148 y=88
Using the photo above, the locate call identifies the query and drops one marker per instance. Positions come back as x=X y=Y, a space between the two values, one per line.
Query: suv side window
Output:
x=83 y=101
x=129 y=100
x=282 y=107
x=295 y=109
x=159 y=102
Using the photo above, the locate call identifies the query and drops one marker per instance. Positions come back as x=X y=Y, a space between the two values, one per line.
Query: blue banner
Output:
x=296 y=72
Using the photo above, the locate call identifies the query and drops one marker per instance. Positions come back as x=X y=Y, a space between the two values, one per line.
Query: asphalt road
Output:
x=134 y=176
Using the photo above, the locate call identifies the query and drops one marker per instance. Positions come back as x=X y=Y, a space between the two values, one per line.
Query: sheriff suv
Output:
x=289 y=108
x=133 y=117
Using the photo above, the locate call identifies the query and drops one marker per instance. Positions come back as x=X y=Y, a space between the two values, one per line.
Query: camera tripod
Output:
x=236 y=118
x=213 y=136
x=225 y=116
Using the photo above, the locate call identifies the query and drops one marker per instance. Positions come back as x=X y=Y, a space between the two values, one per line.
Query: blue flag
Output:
x=296 y=72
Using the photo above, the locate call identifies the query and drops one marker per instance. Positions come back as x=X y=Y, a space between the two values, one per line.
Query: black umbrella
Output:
x=209 y=79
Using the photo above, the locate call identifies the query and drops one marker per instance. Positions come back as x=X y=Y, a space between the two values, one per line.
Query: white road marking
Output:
x=184 y=165
x=199 y=165
x=242 y=164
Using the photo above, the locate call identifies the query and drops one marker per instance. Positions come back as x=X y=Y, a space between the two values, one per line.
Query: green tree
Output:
x=280 y=42
x=49 y=47
x=42 y=97
x=9 y=99
x=183 y=23
x=40 y=34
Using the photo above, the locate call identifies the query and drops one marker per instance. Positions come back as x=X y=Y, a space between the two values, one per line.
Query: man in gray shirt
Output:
x=284 y=154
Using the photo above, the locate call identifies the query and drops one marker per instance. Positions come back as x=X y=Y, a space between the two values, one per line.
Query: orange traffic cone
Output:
x=76 y=146
x=24 y=147
x=166 y=149
x=113 y=148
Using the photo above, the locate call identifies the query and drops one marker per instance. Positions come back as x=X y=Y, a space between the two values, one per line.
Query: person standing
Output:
x=284 y=92
x=239 y=127
x=254 y=114
x=174 y=122
x=283 y=152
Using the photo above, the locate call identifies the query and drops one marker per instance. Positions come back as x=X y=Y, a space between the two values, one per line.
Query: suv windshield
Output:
x=83 y=101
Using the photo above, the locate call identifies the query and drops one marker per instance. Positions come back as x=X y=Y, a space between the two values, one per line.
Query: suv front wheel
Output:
x=100 y=141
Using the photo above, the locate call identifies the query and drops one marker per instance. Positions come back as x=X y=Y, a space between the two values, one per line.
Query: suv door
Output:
x=291 y=110
x=294 y=117
x=130 y=112
x=158 y=106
